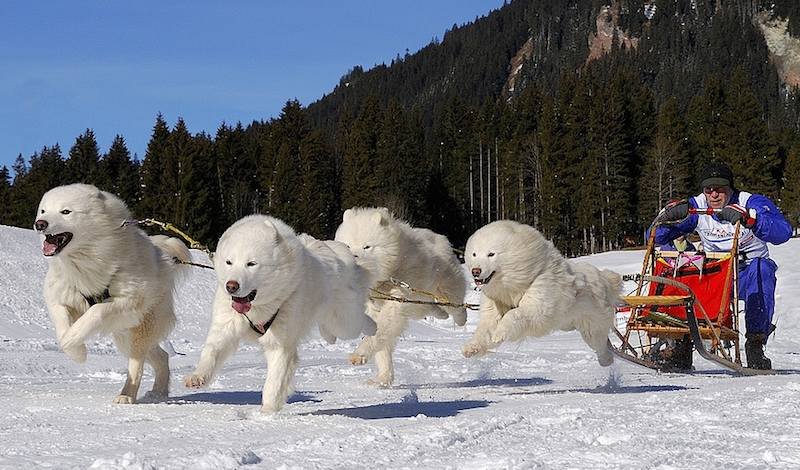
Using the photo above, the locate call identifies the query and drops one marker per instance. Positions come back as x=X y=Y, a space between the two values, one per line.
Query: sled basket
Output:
x=681 y=296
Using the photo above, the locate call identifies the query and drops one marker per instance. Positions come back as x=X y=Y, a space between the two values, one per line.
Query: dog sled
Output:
x=683 y=300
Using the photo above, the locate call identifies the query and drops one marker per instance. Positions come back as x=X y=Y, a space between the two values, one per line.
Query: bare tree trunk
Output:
x=480 y=173
x=488 y=214
x=471 y=196
x=497 y=180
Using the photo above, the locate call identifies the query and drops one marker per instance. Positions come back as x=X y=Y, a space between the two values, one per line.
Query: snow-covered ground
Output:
x=543 y=403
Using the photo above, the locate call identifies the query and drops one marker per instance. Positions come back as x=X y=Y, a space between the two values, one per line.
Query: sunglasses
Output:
x=716 y=189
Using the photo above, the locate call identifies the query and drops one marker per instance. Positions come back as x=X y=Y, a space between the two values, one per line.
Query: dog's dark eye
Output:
x=41 y=211
x=367 y=247
x=65 y=211
x=228 y=262
x=474 y=255
x=250 y=264
x=490 y=255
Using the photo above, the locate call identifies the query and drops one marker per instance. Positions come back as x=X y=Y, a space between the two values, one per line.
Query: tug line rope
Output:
x=168 y=227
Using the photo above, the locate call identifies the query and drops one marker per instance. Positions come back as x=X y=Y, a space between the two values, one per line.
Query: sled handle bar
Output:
x=706 y=211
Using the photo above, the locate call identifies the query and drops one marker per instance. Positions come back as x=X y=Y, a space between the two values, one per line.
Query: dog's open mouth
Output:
x=53 y=244
x=243 y=304
x=485 y=280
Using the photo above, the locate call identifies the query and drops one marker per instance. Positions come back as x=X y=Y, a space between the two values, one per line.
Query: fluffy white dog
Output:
x=109 y=278
x=529 y=289
x=390 y=248
x=273 y=286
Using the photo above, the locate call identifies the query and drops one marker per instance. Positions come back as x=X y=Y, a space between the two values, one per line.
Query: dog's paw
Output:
x=473 y=349
x=123 y=400
x=269 y=408
x=195 y=381
x=499 y=336
x=326 y=335
x=76 y=353
x=381 y=381
x=460 y=318
x=357 y=359
x=605 y=358
x=440 y=314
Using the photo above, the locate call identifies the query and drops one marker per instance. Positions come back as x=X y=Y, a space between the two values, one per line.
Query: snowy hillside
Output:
x=540 y=404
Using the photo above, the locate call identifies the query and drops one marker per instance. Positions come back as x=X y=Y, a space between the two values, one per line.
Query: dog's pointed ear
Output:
x=276 y=237
x=381 y=216
x=348 y=214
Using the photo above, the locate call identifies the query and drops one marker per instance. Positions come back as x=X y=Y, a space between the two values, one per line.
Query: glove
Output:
x=675 y=211
x=735 y=213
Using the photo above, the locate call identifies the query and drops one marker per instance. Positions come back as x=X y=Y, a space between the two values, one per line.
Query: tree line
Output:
x=585 y=152
x=589 y=166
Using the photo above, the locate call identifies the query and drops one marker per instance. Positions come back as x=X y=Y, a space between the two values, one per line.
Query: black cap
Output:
x=716 y=174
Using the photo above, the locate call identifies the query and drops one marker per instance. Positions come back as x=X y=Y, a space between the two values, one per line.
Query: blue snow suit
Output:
x=756 y=269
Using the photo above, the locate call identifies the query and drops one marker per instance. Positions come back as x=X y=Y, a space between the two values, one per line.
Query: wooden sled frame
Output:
x=715 y=335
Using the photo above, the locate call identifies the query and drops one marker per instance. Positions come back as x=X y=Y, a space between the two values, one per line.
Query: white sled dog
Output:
x=108 y=278
x=272 y=287
x=529 y=289
x=391 y=248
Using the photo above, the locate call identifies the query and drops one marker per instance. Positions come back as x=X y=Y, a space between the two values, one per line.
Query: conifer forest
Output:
x=522 y=114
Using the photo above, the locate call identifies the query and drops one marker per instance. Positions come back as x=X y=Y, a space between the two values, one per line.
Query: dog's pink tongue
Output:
x=48 y=249
x=241 y=306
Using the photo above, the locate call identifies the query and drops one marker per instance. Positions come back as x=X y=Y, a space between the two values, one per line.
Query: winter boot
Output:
x=754 y=350
x=678 y=358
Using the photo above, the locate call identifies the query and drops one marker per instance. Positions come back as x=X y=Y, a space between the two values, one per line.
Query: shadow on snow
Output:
x=406 y=409
x=240 y=398
x=480 y=383
x=611 y=390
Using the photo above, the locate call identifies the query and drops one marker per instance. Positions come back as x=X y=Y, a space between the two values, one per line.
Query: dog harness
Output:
x=261 y=329
x=97 y=299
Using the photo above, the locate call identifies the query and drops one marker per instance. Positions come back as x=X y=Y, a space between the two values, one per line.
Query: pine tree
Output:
x=667 y=171
x=744 y=140
x=46 y=171
x=359 y=181
x=552 y=190
x=290 y=129
x=198 y=210
x=610 y=148
x=154 y=196
x=5 y=196
x=317 y=189
x=178 y=158
x=83 y=163
x=122 y=172
x=790 y=195
x=236 y=175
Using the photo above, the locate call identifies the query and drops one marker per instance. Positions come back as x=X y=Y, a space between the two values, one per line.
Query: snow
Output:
x=542 y=403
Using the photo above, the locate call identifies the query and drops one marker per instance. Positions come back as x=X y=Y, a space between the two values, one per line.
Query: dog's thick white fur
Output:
x=90 y=253
x=391 y=248
x=529 y=289
x=266 y=272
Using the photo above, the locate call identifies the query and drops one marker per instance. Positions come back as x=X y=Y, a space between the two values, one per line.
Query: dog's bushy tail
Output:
x=614 y=290
x=173 y=249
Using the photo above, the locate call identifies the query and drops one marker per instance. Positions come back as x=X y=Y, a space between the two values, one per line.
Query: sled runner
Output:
x=682 y=300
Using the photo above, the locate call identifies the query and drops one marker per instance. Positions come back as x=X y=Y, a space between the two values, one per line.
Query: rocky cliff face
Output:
x=607 y=27
x=515 y=67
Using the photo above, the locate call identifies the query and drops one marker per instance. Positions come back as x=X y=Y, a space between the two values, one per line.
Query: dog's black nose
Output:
x=231 y=286
x=40 y=225
x=476 y=272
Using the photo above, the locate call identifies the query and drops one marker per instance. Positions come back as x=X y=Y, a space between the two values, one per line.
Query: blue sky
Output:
x=113 y=65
